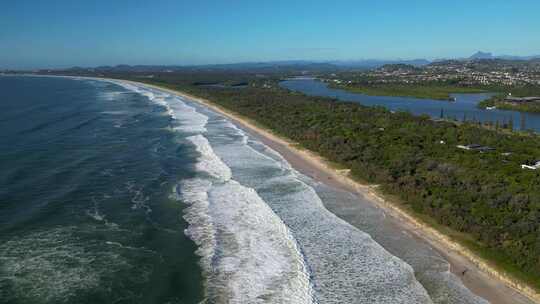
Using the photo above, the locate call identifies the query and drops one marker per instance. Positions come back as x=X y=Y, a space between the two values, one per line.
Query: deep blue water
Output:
x=86 y=172
x=464 y=108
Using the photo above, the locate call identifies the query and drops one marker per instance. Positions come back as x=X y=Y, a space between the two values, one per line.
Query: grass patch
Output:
x=438 y=92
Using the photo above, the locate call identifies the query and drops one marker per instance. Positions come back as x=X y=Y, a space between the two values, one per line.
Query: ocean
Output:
x=118 y=193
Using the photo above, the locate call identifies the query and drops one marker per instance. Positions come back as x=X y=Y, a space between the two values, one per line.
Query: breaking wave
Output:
x=264 y=235
x=346 y=265
x=247 y=253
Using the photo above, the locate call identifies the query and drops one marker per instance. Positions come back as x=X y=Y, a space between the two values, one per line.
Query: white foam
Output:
x=56 y=266
x=189 y=119
x=346 y=264
x=186 y=118
x=115 y=113
x=446 y=287
x=247 y=253
x=124 y=84
x=139 y=200
x=113 y=95
x=208 y=161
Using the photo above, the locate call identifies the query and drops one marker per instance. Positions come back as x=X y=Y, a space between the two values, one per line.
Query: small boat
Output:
x=491 y=108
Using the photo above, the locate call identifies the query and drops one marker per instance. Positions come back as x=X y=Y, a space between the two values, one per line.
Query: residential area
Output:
x=466 y=73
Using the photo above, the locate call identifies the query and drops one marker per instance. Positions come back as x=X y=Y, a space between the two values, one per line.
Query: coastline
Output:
x=481 y=278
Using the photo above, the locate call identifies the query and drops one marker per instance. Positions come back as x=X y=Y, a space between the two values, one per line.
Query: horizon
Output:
x=328 y=61
x=60 y=34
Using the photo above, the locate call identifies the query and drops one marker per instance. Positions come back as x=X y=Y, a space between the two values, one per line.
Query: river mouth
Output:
x=463 y=109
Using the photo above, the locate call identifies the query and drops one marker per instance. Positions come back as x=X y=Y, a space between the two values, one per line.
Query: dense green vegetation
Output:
x=485 y=199
x=443 y=91
x=435 y=91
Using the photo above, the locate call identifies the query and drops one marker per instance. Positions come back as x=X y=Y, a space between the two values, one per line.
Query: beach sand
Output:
x=480 y=277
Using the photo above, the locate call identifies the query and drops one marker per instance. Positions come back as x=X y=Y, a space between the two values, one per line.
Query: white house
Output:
x=533 y=167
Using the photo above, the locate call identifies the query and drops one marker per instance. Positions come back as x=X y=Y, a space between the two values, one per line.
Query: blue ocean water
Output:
x=112 y=192
x=86 y=172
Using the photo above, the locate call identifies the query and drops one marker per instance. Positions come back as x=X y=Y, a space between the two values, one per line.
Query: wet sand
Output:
x=479 y=276
x=477 y=281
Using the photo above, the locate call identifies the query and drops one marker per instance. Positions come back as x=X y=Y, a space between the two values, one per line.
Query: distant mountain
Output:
x=252 y=67
x=258 y=67
x=510 y=57
x=300 y=66
x=487 y=56
x=376 y=63
x=481 y=55
x=272 y=65
x=331 y=64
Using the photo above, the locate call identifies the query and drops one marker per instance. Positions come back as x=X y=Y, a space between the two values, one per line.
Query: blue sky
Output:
x=62 y=33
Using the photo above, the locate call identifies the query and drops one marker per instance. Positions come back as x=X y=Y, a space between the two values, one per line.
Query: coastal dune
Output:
x=476 y=274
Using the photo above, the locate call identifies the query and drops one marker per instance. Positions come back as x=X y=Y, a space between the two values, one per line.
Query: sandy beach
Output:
x=480 y=277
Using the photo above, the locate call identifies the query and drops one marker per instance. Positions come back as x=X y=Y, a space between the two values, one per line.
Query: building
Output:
x=531 y=167
x=475 y=147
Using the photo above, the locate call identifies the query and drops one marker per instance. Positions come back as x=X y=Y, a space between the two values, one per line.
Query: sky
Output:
x=65 y=33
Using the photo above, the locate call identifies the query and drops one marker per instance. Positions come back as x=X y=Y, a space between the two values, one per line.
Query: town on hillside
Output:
x=459 y=72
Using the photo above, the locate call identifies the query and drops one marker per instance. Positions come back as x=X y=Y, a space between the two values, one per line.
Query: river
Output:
x=464 y=108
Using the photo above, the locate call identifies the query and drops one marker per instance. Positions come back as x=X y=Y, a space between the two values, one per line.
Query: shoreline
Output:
x=378 y=91
x=482 y=279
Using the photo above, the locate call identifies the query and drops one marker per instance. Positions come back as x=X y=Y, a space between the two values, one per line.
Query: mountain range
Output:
x=487 y=55
x=295 y=65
